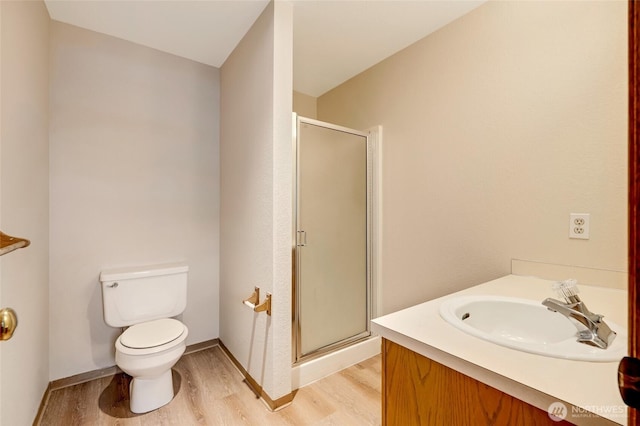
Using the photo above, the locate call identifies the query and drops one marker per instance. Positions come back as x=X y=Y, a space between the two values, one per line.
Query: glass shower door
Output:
x=332 y=251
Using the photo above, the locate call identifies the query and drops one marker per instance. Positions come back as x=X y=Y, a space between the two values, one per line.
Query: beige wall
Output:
x=134 y=181
x=24 y=201
x=255 y=218
x=496 y=127
x=305 y=105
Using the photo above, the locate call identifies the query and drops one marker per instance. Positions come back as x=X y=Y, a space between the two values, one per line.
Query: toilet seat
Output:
x=152 y=333
x=152 y=337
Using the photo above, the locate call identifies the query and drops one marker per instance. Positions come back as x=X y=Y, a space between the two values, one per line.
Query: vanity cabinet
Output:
x=419 y=391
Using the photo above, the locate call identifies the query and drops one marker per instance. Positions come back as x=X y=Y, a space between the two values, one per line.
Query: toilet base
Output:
x=147 y=394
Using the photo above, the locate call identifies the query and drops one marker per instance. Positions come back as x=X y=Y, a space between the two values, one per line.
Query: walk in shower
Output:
x=333 y=247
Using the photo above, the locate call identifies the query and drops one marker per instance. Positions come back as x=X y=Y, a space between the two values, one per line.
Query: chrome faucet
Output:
x=592 y=330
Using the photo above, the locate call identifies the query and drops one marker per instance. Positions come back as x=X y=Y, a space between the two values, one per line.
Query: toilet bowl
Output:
x=147 y=352
x=145 y=299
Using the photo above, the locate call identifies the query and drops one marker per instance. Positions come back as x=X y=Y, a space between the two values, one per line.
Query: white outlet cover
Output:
x=579 y=225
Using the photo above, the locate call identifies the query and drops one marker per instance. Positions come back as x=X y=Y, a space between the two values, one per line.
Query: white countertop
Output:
x=584 y=387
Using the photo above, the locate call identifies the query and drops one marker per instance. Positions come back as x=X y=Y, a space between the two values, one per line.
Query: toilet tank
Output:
x=137 y=294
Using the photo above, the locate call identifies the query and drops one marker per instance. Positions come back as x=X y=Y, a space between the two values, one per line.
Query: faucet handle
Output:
x=568 y=290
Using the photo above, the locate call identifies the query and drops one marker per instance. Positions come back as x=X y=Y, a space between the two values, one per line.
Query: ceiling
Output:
x=334 y=40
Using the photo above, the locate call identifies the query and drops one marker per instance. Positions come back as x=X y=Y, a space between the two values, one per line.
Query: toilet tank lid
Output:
x=132 y=272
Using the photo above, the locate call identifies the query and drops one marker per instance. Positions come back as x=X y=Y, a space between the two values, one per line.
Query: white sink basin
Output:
x=527 y=326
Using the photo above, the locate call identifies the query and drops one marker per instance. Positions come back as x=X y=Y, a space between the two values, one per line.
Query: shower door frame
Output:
x=297 y=356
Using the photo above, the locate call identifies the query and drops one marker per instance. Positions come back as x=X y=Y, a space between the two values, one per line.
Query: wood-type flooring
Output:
x=211 y=391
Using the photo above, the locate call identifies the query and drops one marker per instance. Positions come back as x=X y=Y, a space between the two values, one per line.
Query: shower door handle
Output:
x=302 y=238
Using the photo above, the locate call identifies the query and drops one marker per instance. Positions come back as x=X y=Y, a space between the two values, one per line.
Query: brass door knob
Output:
x=8 y=323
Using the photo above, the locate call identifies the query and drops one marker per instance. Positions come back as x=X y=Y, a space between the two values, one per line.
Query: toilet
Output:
x=145 y=299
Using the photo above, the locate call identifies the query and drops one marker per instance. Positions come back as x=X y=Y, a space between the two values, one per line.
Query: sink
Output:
x=527 y=326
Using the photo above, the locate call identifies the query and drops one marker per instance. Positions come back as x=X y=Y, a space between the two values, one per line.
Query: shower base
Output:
x=317 y=368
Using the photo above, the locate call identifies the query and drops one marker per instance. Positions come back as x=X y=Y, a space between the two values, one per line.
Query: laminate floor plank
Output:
x=310 y=406
x=210 y=391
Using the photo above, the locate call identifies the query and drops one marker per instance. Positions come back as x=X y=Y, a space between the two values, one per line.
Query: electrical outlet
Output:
x=579 y=226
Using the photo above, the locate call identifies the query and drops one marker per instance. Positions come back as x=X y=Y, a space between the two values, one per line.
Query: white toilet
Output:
x=144 y=299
